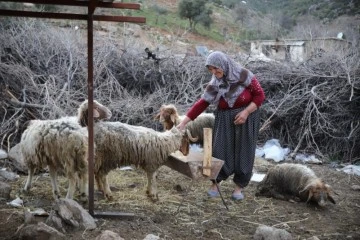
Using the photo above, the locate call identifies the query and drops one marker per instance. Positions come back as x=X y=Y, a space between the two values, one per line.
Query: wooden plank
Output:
x=15 y=13
x=101 y=4
x=192 y=165
x=207 y=151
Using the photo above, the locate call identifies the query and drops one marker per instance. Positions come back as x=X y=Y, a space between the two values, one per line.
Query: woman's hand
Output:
x=241 y=117
x=181 y=126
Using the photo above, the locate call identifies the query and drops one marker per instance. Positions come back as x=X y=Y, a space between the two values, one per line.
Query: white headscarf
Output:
x=235 y=79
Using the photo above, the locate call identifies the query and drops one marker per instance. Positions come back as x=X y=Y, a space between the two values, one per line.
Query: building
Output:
x=295 y=50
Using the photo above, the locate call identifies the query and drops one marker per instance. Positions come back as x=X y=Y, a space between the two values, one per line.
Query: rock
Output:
x=3 y=154
x=5 y=190
x=270 y=233
x=17 y=159
x=8 y=175
x=39 y=231
x=355 y=187
x=55 y=221
x=151 y=237
x=108 y=235
x=29 y=217
x=74 y=214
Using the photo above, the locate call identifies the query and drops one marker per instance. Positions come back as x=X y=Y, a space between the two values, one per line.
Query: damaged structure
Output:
x=296 y=50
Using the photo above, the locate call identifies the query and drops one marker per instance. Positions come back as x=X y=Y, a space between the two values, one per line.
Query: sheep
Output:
x=119 y=144
x=62 y=145
x=169 y=117
x=290 y=181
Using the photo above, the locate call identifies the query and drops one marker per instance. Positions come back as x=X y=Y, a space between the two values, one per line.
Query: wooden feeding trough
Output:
x=197 y=165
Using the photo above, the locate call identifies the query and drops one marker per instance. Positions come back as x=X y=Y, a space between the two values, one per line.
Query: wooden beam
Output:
x=207 y=151
x=14 y=13
x=135 y=6
x=73 y=16
x=120 y=19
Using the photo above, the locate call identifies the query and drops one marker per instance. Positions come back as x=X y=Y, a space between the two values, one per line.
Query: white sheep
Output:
x=119 y=144
x=62 y=146
x=290 y=181
x=169 y=117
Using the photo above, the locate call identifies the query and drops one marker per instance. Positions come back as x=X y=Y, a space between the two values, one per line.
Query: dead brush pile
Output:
x=313 y=107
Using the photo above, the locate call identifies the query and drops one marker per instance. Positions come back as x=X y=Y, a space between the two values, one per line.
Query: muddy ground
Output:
x=185 y=212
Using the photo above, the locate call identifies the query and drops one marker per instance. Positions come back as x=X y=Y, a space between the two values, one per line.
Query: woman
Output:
x=238 y=95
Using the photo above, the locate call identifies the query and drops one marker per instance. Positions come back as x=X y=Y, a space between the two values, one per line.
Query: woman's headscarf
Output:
x=231 y=85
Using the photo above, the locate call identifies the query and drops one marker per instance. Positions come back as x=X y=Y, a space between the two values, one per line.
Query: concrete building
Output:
x=296 y=50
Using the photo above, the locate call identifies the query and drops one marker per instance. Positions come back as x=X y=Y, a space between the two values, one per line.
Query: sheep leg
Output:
x=100 y=187
x=106 y=188
x=84 y=187
x=31 y=172
x=152 y=186
x=71 y=187
x=53 y=178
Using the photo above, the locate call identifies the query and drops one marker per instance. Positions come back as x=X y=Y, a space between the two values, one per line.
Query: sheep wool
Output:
x=119 y=144
x=169 y=117
x=60 y=144
x=295 y=181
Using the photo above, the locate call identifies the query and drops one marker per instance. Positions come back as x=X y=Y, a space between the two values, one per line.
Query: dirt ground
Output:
x=185 y=212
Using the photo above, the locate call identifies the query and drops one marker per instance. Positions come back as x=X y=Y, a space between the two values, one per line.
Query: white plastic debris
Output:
x=196 y=148
x=274 y=151
x=259 y=152
x=17 y=202
x=126 y=168
x=307 y=159
x=39 y=212
x=257 y=177
x=351 y=169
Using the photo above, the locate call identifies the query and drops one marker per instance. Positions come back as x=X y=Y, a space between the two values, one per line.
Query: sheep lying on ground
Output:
x=62 y=145
x=119 y=144
x=169 y=117
x=289 y=181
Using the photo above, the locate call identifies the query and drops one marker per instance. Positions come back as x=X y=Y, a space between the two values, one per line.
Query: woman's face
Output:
x=218 y=72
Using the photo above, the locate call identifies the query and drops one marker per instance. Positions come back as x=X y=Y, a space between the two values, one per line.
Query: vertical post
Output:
x=91 y=112
x=207 y=151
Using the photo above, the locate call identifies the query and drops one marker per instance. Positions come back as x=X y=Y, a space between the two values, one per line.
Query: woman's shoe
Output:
x=213 y=193
x=237 y=196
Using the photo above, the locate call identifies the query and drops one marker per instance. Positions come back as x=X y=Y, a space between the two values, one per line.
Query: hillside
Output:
x=234 y=25
x=330 y=9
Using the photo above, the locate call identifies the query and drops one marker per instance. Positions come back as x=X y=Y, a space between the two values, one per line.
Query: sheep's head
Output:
x=167 y=115
x=185 y=142
x=100 y=112
x=319 y=192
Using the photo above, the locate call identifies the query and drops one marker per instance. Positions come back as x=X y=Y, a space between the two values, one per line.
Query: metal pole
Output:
x=90 y=112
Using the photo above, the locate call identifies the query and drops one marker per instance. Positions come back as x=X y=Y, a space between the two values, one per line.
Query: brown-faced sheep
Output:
x=169 y=117
x=119 y=144
x=295 y=181
x=62 y=146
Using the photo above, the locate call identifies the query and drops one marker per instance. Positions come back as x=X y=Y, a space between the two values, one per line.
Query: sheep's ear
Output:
x=96 y=113
x=305 y=188
x=329 y=191
x=172 y=117
x=331 y=199
x=310 y=194
x=157 y=116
